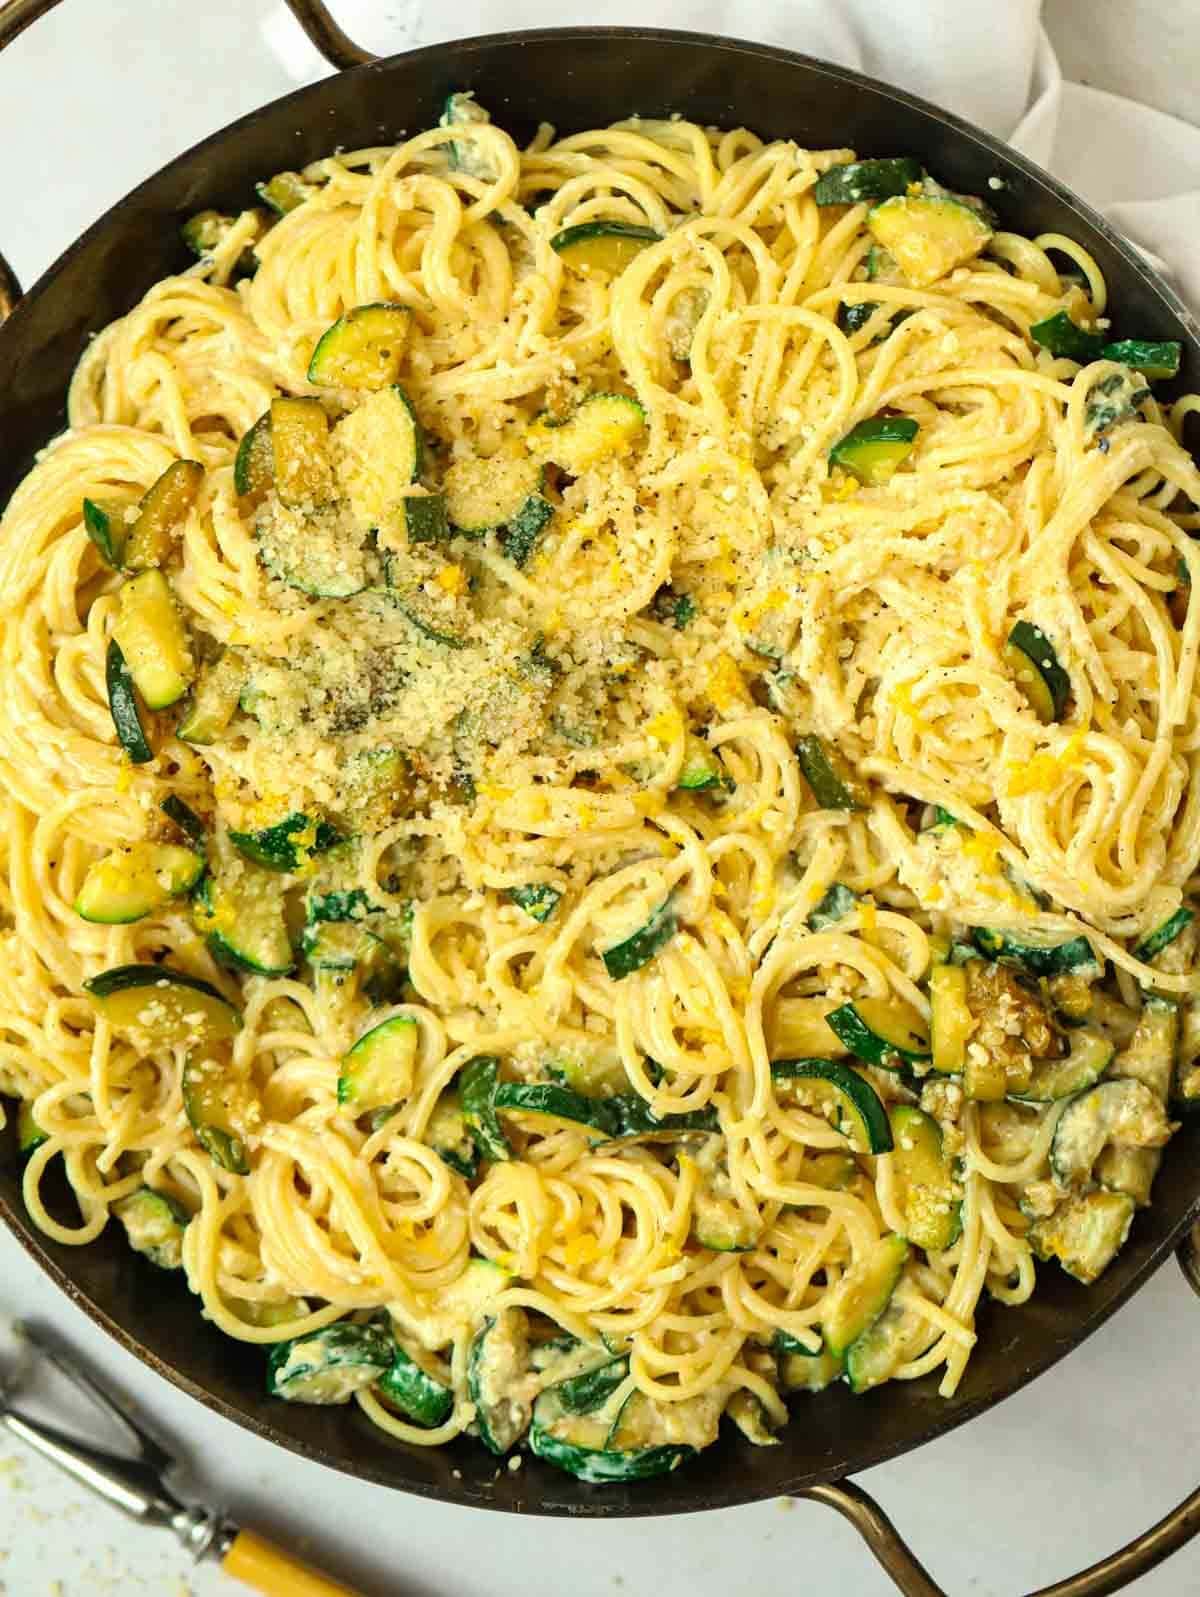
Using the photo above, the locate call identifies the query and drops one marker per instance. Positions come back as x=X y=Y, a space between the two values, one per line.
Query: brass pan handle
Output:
x=1111 y=1574
x=313 y=16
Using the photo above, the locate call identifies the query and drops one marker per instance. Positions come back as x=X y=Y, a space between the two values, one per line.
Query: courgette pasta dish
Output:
x=600 y=746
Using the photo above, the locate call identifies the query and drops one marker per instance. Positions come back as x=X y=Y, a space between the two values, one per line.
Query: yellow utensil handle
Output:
x=266 y=1568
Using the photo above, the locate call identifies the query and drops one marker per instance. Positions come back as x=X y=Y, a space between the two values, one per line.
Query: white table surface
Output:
x=91 y=100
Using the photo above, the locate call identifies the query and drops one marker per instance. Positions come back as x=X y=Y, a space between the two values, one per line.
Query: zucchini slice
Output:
x=854 y=181
x=1085 y=1233
x=1129 y=1170
x=1125 y=1112
x=154 y=1223
x=105 y=525
x=746 y=1411
x=1114 y=399
x=160 y=1007
x=1036 y=953
x=928 y=235
x=330 y=1365
x=879 y=1352
x=850 y=318
x=30 y=1135
x=603 y=426
x=164 y=506
x=379 y=452
x=950 y=1019
x=483 y=495
x=436 y=1319
x=875 y=448
x=550 y=1107
x=604 y=247
x=833 y=782
x=301 y=466
x=803 y=1369
x=1031 y=656
x=318 y=551
x=1090 y=1056
x=285 y=191
x=417 y=1393
x=254 y=463
x=363 y=348
x=719 y=1222
x=214 y=699
x=623 y=958
x=701 y=770
x=340 y=952
x=477 y=1085
x=497 y=1372
x=425 y=518
x=862 y=1294
x=1162 y=936
x=449 y=1135
x=526 y=527
x=205 y=232
x=838 y=1092
x=378 y=1070
x=1149 y=1055
x=634 y=1448
x=185 y=818
x=462 y=110
x=132 y=882
x=882 y=268
x=929 y=1195
x=591 y=1388
x=1154 y=359
x=882 y=1031
x=632 y=1121
x=1063 y=336
x=539 y=900
x=289 y=844
x=836 y=903
x=123 y=706
x=242 y=913
x=216 y=1108
x=153 y=640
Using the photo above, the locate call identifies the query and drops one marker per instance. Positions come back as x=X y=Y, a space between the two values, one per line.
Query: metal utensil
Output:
x=136 y=1483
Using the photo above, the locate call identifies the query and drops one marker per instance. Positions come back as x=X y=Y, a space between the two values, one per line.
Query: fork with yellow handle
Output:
x=135 y=1482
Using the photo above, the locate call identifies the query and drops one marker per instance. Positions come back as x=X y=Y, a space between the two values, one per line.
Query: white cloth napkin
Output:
x=992 y=64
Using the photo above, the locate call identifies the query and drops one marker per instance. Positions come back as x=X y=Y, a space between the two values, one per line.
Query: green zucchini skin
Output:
x=556 y=1102
x=1054 y=960
x=833 y=784
x=276 y=846
x=1064 y=337
x=505 y=1419
x=639 y=949
x=106 y=532
x=852 y=1025
x=329 y=1365
x=185 y=818
x=425 y=518
x=862 y=1103
x=477 y=1085
x=1154 y=942
x=123 y=977
x=837 y=902
x=599 y=1465
x=632 y=1119
x=1031 y=642
x=584 y=1393
x=855 y=181
x=873 y=449
x=539 y=900
x=520 y=537
x=583 y=231
x=123 y=706
x=412 y=1390
x=1155 y=359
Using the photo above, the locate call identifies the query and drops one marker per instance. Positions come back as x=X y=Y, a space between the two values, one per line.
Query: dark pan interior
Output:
x=576 y=79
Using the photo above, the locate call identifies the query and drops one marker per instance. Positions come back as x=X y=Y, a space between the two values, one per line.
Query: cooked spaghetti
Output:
x=600 y=747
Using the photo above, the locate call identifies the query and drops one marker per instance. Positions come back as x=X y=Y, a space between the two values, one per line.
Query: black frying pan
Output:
x=576 y=78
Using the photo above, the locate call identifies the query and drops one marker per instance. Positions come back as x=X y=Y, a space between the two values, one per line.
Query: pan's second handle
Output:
x=315 y=17
x=1111 y=1574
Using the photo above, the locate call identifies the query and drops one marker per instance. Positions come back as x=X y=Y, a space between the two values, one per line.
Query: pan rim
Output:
x=730 y=1492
